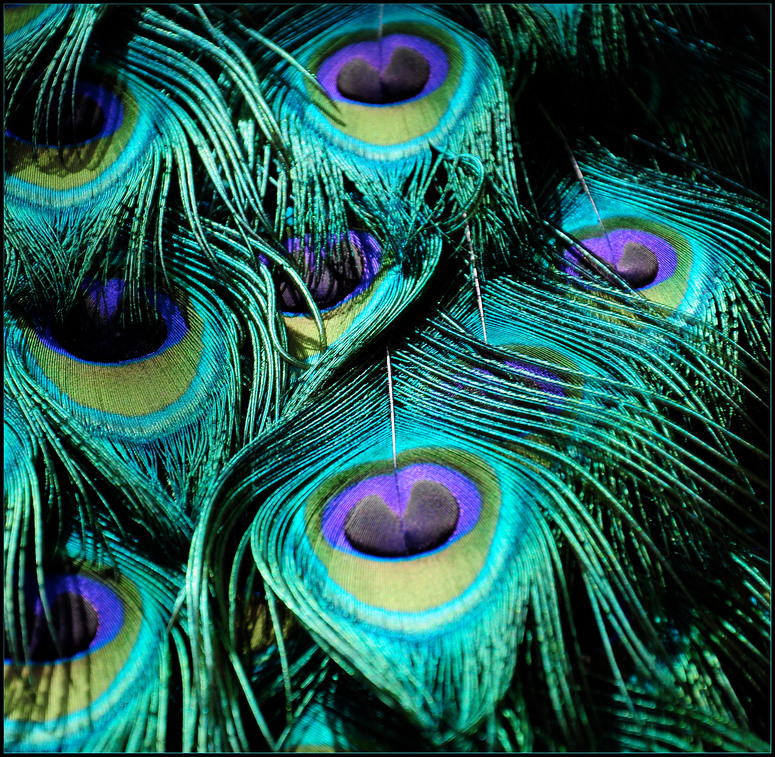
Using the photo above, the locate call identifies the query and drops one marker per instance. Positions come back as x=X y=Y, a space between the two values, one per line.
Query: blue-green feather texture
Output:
x=170 y=406
x=435 y=150
x=386 y=378
x=96 y=666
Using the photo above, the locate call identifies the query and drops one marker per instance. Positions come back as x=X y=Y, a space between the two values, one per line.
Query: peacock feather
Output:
x=95 y=669
x=386 y=378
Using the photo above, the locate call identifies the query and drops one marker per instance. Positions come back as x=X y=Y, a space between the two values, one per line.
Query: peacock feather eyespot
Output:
x=411 y=512
x=401 y=594
x=75 y=621
x=135 y=367
x=389 y=91
x=99 y=134
x=103 y=358
x=651 y=257
x=427 y=521
x=91 y=660
x=86 y=614
x=409 y=528
x=341 y=279
x=342 y=270
x=103 y=328
x=95 y=628
x=643 y=253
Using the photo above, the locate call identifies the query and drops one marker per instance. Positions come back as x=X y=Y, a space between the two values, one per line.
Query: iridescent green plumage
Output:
x=385 y=377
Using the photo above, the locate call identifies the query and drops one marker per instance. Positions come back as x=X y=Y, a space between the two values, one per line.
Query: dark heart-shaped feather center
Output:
x=431 y=515
x=638 y=265
x=329 y=278
x=96 y=332
x=74 y=622
x=404 y=77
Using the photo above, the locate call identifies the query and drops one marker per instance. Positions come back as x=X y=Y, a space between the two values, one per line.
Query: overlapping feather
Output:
x=454 y=430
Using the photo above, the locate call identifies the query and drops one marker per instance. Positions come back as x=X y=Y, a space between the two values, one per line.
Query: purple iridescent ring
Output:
x=613 y=247
x=414 y=57
x=106 y=300
x=93 y=598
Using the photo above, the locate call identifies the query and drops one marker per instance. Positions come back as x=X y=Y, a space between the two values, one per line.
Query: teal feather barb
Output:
x=386 y=378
